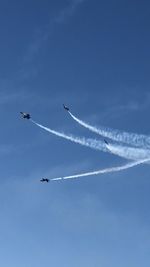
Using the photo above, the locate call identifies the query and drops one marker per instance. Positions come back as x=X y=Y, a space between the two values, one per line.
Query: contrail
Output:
x=121 y=151
x=92 y=143
x=137 y=140
x=102 y=171
x=129 y=152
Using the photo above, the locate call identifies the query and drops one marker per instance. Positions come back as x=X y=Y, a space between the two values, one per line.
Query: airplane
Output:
x=44 y=180
x=106 y=142
x=25 y=115
x=65 y=107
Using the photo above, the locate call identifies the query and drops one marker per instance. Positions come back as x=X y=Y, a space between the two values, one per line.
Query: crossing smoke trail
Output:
x=129 y=152
x=108 y=170
x=121 y=151
x=92 y=143
x=137 y=140
x=118 y=150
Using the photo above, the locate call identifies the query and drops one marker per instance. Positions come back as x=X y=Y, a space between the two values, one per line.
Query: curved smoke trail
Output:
x=102 y=171
x=137 y=140
x=129 y=152
x=121 y=151
x=140 y=155
x=91 y=143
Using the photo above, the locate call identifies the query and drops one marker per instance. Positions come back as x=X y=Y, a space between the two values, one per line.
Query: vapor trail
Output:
x=108 y=170
x=137 y=140
x=121 y=151
x=92 y=143
x=129 y=152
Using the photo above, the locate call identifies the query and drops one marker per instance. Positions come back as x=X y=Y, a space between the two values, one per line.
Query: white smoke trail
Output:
x=137 y=140
x=129 y=152
x=125 y=152
x=102 y=171
x=92 y=143
x=121 y=151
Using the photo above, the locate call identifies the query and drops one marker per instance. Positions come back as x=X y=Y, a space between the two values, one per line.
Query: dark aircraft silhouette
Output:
x=25 y=115
x=44 y=180
x=106 y=142
x=65 y=107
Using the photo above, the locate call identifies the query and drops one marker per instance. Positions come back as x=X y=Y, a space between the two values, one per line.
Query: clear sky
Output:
x=93 y=56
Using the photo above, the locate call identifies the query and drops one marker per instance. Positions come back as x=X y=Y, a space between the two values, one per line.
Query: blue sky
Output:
x=94 y=56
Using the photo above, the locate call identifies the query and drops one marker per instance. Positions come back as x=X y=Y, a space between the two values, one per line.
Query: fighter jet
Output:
x=106 y=142
x=25 y=115
x=44 y=180
x=65 y=107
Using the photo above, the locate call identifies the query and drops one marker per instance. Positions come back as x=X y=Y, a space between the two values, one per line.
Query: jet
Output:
x=44 y=180
x=25 y=115
x=65 y=107
x=106 y=142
